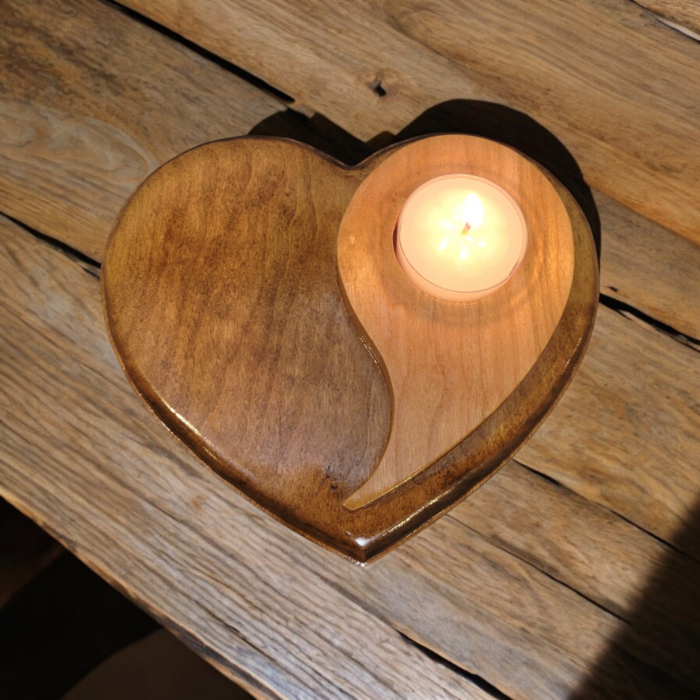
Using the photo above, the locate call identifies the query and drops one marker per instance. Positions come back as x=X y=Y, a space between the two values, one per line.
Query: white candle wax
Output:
x=460 y=237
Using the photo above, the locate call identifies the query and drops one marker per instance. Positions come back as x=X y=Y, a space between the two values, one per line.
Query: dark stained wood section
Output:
x=573 y=573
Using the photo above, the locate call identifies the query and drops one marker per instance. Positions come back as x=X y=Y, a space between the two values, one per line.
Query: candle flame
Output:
x=472 y=212
x=465 y=241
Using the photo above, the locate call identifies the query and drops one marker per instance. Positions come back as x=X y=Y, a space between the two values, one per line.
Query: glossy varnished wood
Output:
x=449 y=365
x=224 y=306
x=221 y=294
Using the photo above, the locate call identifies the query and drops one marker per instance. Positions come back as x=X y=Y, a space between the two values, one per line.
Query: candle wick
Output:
x=467 y=228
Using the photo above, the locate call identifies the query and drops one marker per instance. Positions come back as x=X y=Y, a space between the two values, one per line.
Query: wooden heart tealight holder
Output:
x=255 y=302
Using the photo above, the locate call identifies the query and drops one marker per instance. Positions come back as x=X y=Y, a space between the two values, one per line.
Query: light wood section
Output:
x=82 y=122
x=449 y=365
x=619 y=88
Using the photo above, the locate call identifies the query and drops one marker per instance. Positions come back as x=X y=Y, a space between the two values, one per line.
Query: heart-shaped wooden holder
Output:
x=254 y=300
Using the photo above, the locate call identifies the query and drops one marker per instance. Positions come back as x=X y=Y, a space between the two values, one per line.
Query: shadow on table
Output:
x=656 y=654
x=485 y=119
x=66 y=633
x=662 y=631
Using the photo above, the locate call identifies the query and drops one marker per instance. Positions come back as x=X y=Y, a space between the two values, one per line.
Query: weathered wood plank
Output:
x=258 y=600
x=683 y=14
x=649 y=267
x=91 y=102
x=600 y=555
x=69 y=174
x=597 y=73
x=625 y=434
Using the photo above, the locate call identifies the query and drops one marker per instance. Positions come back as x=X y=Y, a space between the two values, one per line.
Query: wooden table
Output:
x=574 y=573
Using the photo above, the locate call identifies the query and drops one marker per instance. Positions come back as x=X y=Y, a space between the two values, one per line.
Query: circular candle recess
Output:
x=460 y=237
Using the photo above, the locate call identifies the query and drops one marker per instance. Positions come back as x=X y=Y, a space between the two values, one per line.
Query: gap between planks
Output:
x=664 y=542
x=253 y=80
x=682 y=16
x=482 y=683
x=237 y=674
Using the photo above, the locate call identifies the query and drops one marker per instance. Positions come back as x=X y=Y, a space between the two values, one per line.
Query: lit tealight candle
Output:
x=460 y=237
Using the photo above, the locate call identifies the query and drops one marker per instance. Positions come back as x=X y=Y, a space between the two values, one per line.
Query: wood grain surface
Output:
x=82 y=124
x=650 y=268
x=223 y=304
x=91 y=381
x=449 y=365
x=683 y=15
x=567 y=593
x=157 y=511
x=644 y=283
x=605 y=76
x=630 y=435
